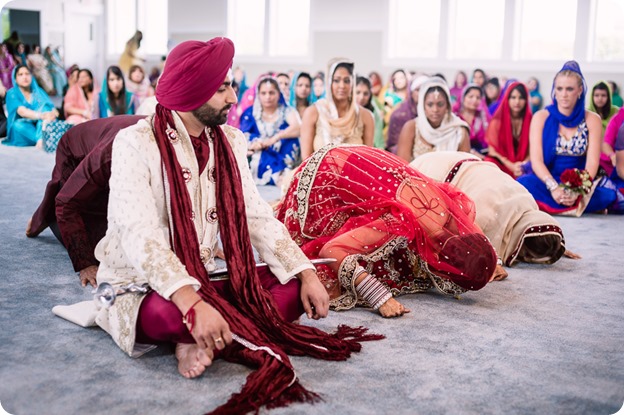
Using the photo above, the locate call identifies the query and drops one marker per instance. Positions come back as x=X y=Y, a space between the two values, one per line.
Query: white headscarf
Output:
x=449 y=134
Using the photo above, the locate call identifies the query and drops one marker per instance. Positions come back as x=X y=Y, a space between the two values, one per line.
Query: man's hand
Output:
x=209 y=328
x=313 y=295
x=210 y=331
x=88 y=274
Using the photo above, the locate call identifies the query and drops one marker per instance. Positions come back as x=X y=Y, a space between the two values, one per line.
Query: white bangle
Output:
x=551 y=184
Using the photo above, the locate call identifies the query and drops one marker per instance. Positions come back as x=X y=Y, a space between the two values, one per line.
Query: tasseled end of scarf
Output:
x=354 y=335
x=272 y=385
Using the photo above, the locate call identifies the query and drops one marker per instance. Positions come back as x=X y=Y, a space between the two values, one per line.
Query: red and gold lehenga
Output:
x=366 y=207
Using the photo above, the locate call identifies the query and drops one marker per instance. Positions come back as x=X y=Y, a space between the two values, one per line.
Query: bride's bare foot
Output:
x=28 y=225
x=572 y=255
x=499 y=273
x=192 y=360
x=392 y=308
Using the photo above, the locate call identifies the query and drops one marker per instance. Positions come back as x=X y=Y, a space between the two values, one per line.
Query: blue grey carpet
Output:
x=548 y=340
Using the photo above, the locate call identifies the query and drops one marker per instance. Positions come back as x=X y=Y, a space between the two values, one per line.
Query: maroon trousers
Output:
x=160 y=321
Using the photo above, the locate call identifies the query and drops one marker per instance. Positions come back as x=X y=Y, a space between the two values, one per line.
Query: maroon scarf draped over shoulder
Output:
x=253 y=315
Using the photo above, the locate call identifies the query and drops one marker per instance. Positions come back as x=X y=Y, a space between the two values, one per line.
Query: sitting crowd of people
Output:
x=396 y=190
x=28 y=80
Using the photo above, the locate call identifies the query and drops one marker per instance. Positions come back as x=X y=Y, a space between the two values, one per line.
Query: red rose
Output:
x=571 y=178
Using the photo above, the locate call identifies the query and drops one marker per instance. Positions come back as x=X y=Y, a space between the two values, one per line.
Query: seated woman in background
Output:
x=139 y=85
x=3 y=118
x=468 y=108
x=565 y=136
x=534 y=92
x=408 y=110
x=114 y=98
x=80 y=103
x=607 y=157
x=20 y=54
x=435 y=128
x=273 y=130
x=461 y=80
x=337 y=118
x=505 y=210
x=601 y=103
x=617 y=176
x=375 y=215
x=300 y=92
x=615 y=93
x=39 y=68
x=55 y=67
x=507 y=135
x=397 y=90
x=318 y=88
x=6 y=66
x=28 y=108
x=479 y=77
x=491 y=91
x=364 y=98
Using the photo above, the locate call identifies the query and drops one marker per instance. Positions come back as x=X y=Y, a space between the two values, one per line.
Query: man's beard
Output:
x=210 y=116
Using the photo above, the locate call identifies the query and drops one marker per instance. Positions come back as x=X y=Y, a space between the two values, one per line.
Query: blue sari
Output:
x=269 y=164
x=24 y=132
x=560 y=155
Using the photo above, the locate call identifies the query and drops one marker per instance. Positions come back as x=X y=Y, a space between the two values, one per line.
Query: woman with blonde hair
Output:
x=563 y=137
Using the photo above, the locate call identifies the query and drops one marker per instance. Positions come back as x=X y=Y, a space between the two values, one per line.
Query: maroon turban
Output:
x=193 y=73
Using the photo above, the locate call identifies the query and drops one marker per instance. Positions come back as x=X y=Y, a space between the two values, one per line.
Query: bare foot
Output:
x=499 y=273
x=572 y=255
x=39 y=144
x=192 y=360
x=392 y=308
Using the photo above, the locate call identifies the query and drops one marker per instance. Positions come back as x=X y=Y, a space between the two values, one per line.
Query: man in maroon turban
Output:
x=179 y=179
x=75 y=202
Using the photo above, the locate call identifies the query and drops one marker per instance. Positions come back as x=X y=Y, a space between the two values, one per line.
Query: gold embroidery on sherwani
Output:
x=288 y=253
x=126 y=309
x=161 y=265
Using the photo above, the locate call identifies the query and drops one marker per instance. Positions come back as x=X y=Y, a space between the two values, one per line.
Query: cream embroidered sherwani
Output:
x=136 y=247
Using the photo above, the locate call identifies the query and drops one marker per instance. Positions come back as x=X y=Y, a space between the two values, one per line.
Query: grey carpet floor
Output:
x=548 y=340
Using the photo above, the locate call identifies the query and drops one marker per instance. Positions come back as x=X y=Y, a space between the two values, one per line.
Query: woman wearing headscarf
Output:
x=28 y=108
x=565 y=136
x=435 y=128
x=300 y=92
x=114 y=98
x=364 y=98
x=337 y=118
x=468 y=108
x=408 y=110
x=507 y=135
x=601 y=103
x=391 y=229
x=537 y=101
x=505 y=210
x=272 y=128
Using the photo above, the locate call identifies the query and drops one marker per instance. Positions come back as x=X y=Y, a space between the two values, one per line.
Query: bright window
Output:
x=413 y=28
x=546 y=30
x=246 y=26
x=289 y=26
x=125 y=17
x=476 y=29
x=286 y=26
x=608 y=31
